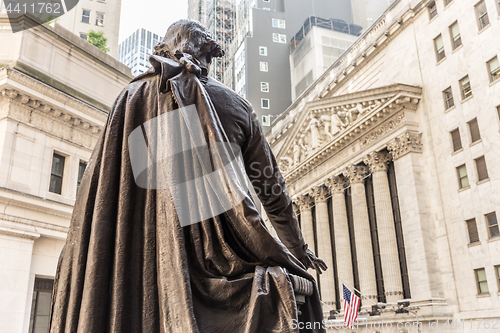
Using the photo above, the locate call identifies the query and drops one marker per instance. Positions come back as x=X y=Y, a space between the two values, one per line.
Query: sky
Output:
x=152 y=15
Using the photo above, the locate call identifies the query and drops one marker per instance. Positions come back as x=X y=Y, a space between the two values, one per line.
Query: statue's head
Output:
x=188 y=36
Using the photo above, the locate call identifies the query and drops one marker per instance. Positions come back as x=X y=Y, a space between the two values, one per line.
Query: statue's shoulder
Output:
x=219 y=91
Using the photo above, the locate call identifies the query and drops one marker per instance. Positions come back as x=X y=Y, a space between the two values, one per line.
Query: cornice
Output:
x=33 y=223
x=19 y=234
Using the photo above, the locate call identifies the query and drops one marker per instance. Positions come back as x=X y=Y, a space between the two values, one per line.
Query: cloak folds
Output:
x=129 y=266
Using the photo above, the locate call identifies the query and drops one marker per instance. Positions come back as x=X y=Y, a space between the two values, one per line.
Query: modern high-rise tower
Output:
x=136 y=49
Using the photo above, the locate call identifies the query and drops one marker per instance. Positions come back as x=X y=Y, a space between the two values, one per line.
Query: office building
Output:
x=134 y=51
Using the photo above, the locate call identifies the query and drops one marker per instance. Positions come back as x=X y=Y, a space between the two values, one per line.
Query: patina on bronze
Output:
x=129 y=266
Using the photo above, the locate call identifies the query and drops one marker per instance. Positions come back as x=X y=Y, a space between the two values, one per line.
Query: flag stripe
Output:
x=351 y=307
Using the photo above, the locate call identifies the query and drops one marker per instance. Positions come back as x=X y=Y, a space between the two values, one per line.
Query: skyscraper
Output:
x=136 y=49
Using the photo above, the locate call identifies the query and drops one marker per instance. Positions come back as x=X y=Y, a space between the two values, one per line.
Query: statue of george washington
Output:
x=165 y=237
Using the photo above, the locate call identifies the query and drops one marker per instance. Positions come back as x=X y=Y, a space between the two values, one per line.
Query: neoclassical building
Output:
x=55 y=92
x=391 y=158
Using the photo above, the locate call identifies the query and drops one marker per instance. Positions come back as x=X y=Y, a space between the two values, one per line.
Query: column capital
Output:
x=304 y=201
x=337 y=184
x=320 y=192
x=355 y=173
x=410 y=142
x=377 y=161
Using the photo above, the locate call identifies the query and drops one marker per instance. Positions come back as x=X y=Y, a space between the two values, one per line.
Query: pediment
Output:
x=326 y=125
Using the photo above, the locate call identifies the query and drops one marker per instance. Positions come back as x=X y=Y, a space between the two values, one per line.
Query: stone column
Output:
x=341 y=228
x=323 y=236
x=385 y=225
x=306 y=222
x=364 y=249
x=418 y=229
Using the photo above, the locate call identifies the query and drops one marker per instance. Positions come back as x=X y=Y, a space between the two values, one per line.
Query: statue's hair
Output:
x=188 y=36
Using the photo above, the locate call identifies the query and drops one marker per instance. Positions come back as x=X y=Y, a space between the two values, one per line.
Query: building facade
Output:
x=392 y=159
x=134 y=51
x=55 y=92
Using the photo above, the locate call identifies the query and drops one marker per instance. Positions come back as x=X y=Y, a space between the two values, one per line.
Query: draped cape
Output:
x=128 y=264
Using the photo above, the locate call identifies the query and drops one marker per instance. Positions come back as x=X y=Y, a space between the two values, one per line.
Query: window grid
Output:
x=466 y=87
x=475 y=135
x=497 y=272
x=264 y=66
x=492 y=222
x=81 y=170
x=472 y=230
x=448 y=98
x=263 y=50
x=86 y=16
x=99 y=19
x=482 y=171
x=482 y=283
x=278 y=23
x=456 y=38
x=463 y=179
x=482 y=15
x=83 y=36
x=439 y=47
x=57 y=173
x=455 y=138
x=40 y=305
x=494 y=69
x=264 y=86
x=279 y=38
x=264 y=103
x=432 y=10
x=447 y=2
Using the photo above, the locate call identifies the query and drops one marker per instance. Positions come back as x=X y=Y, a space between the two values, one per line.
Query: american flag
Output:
x=351 y=306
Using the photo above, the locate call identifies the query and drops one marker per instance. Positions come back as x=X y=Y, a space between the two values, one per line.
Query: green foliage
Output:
x=97 y=38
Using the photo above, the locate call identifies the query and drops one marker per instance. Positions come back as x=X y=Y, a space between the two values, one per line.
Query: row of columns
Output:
x=355 y=175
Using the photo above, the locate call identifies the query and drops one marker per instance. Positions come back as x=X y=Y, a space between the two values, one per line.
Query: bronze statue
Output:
x=131 y=263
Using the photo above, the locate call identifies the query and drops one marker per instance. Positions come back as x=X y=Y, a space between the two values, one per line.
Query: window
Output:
x=86 y=16
x=99 y=19
x=463 y=179
x=456 y=38
x=81 y=171
x=263 y=66
x=494 y=69
x=264 y=86
x=482 y=15
x=56 y=176
x=448 y=98
x=482 y=171
x=279 y=38
x=482 y=284
x=447 y=2
x=455 y=138
x=266 y=0
x=439 y=47
x=277 y=23
x=472 y=229
x=83 y=36
x=497 y=272
x=474 y=130
x=432 y=10
x=492 y=224
x=263 y=50
x=40 y=305
x=264 y=103
x=465 y=87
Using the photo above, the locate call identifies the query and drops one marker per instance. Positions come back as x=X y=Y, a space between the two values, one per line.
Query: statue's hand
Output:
x=309 y=259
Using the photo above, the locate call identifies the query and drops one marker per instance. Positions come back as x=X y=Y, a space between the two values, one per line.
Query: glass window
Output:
x=465 y=87
x=262 y=50
x=448 y=98
x=264 y=86
x=482 y=15
x=277 y=23
x=439 y=46
x=99 y=19
x=57 y=172
x=279 y=38
x=494 y=69
x=497 y=268
x=40 y=306
x=86 y=16
x=264 y=103
x=263 y=66
x=456 y=38
x=482 y=284
x=491 y=218
x=463 y=179
x=472 y=229
x=81 y=171
x=432 y=10
x=447 y=2
x=83 y=36
x=475 y=135
x=482 y=171
x=455 y=138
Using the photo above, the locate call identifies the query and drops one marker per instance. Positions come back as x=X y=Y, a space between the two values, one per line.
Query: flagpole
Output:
x=374 y=303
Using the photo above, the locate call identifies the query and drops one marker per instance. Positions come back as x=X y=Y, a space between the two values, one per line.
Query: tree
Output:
x=97 y=38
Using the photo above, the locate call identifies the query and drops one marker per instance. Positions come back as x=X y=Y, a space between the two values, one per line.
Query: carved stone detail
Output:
x=320 y=192
x=382 y=130
x=356 y=173
x=407 y=143
x=9 y=93
x=377 y=161
x=337 y=184
x=304 y=202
